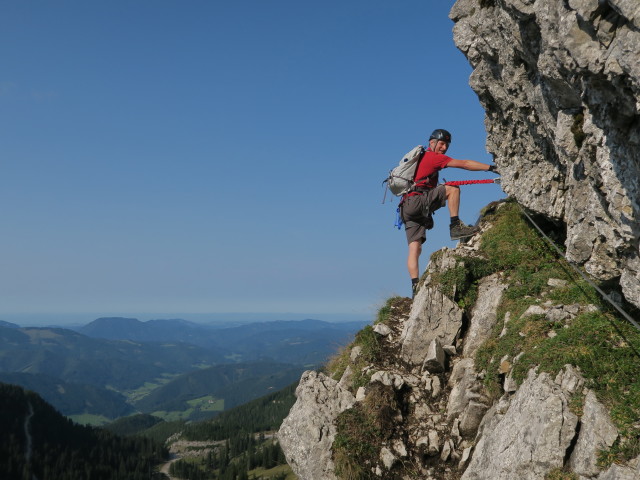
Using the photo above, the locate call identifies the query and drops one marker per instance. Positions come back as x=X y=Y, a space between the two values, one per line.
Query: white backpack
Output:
x=400 y=179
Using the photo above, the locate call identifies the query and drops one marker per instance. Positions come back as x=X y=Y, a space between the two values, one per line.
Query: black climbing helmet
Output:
x=441 y=134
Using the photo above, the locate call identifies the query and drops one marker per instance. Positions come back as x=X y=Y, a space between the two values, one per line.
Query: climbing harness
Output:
x=583 y=275
x=399 y=221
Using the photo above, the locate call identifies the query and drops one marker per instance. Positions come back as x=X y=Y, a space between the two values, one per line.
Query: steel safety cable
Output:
x=583 y=275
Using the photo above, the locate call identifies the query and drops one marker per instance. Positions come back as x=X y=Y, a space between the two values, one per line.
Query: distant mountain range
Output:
x=304 y=342
x=113 y=366
x=8 y=324
x=73 y=357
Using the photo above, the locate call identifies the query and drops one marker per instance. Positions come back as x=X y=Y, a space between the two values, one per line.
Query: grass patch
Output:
x=577 y=291
x=385 y=310
x=460 y=283
x=370 y=353
x=521 y=335
x=173 y=415
x=275 y=472
x=560 y=474
x=360 y=432
x=89 y=419
x=511 y=246
x=148 y=387
x=511 y=243
x=208 y=403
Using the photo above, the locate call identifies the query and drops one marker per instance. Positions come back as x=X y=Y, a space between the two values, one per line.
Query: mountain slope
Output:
x=505 y=365
x=71 y=398
x=73 y=357
x=234 y=384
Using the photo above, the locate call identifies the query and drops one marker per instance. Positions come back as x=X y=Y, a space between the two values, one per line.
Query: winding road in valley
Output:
x=165 y=466
x=183 y=448
x=27 y=434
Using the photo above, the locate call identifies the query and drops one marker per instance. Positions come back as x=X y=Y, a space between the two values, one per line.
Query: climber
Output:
x=417 y=206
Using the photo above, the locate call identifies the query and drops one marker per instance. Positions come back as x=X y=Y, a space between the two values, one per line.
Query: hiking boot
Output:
x=460 y=230
x=414 y=290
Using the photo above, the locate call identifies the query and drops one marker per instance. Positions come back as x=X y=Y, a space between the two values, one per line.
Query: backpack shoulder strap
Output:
x=422 y=153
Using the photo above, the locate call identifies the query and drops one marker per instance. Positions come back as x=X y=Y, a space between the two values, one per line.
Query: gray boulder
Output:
x=597 y=433
x=530 y=438
x=433 y=315
x=306 y=435
x=435 y=359
x=484 y=314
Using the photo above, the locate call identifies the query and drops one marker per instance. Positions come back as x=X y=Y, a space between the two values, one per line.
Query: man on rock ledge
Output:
x=427 y=196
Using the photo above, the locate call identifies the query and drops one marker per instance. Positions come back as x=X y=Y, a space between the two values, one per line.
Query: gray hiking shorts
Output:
x=417 y=212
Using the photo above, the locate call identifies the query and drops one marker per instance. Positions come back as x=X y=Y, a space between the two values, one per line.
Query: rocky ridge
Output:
x=410 y=398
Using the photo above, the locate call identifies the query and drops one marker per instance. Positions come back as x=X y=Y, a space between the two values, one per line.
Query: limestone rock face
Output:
x=433 y=316
x=465 y=388
x=306 y=435
x=560 y=84
x=484 y=313
x=530 y=438
x=597 y=433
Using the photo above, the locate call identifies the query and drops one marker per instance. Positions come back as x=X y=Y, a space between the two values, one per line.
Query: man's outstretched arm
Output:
x=469 y=165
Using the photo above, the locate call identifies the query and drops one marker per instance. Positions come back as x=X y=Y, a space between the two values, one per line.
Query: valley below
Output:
x=172 y=369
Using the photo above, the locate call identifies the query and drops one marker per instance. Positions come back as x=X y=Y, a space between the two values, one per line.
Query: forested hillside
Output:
x=238 y=444
x=70 y=398
x=196 y=394
x=134 y=424
x=38 y=442
x=261 y=415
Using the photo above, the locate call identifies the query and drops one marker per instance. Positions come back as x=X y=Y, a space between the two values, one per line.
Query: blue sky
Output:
x=164 y=157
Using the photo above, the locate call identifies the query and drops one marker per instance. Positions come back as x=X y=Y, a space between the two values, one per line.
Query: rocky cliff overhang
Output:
x=560 y=84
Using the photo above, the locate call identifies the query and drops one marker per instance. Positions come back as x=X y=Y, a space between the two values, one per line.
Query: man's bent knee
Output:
x=452 y=190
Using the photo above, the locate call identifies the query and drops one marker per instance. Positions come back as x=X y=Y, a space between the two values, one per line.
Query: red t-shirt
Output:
x=428 y=168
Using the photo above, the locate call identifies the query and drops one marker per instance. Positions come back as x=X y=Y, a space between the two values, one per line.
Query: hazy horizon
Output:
x=75 y=319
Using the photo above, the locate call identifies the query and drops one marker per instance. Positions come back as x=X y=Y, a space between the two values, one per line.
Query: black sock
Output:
x=414 y=281
x=455 y=220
